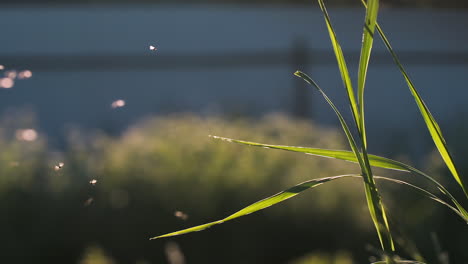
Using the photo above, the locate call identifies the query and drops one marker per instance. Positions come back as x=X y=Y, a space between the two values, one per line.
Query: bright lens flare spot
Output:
x=11 y=74
x=181 y=215
x=26 y=134
x=118 y=103
x=59 y=166
x=26 y=74
x=6 y=83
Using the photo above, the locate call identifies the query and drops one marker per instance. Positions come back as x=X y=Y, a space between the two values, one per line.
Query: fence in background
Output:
x=299 y=56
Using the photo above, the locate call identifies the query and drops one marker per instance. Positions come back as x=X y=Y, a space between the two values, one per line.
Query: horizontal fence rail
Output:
x=160 y=61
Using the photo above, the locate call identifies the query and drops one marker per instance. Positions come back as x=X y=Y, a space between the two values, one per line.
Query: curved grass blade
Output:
x=376 y=161
x=277 y=198
x=424 y=193
x=341 y=64
x=376 y=208
x=367 y=41
x=430 y=121
x=345 y=127
x=289 y=193
x=346 y=155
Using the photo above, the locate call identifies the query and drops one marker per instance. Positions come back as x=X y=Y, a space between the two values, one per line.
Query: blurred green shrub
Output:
x=165 y=173
x=23 y=155
x=95 y=255
x=172 y=156
x=166 y=166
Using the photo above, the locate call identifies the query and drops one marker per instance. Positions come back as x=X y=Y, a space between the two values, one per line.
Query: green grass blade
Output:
x=260 y=205
x=367 y=41
x=379 y=217
x=345 y=127
x=430 y=121
x=341 y=64
x=289 y=193
x=376 y=161
x=363 y=162
x=374 y=201
x=425 y=193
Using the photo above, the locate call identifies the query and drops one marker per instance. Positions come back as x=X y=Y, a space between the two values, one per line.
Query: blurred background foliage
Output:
x=164 y=173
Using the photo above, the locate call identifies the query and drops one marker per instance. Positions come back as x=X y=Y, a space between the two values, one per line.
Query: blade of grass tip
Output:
x=346 y=155
x=429 y=119
x=345 y=127
x=262 y=204
x=375 y=205
x=341 y=64
x=367 y=41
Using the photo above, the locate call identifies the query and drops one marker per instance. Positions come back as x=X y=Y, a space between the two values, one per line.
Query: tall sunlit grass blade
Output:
x=366 y=48
x=430 y=121
x=341 y=64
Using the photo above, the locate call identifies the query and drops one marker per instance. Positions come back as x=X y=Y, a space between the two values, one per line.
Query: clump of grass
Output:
x=358 y=153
